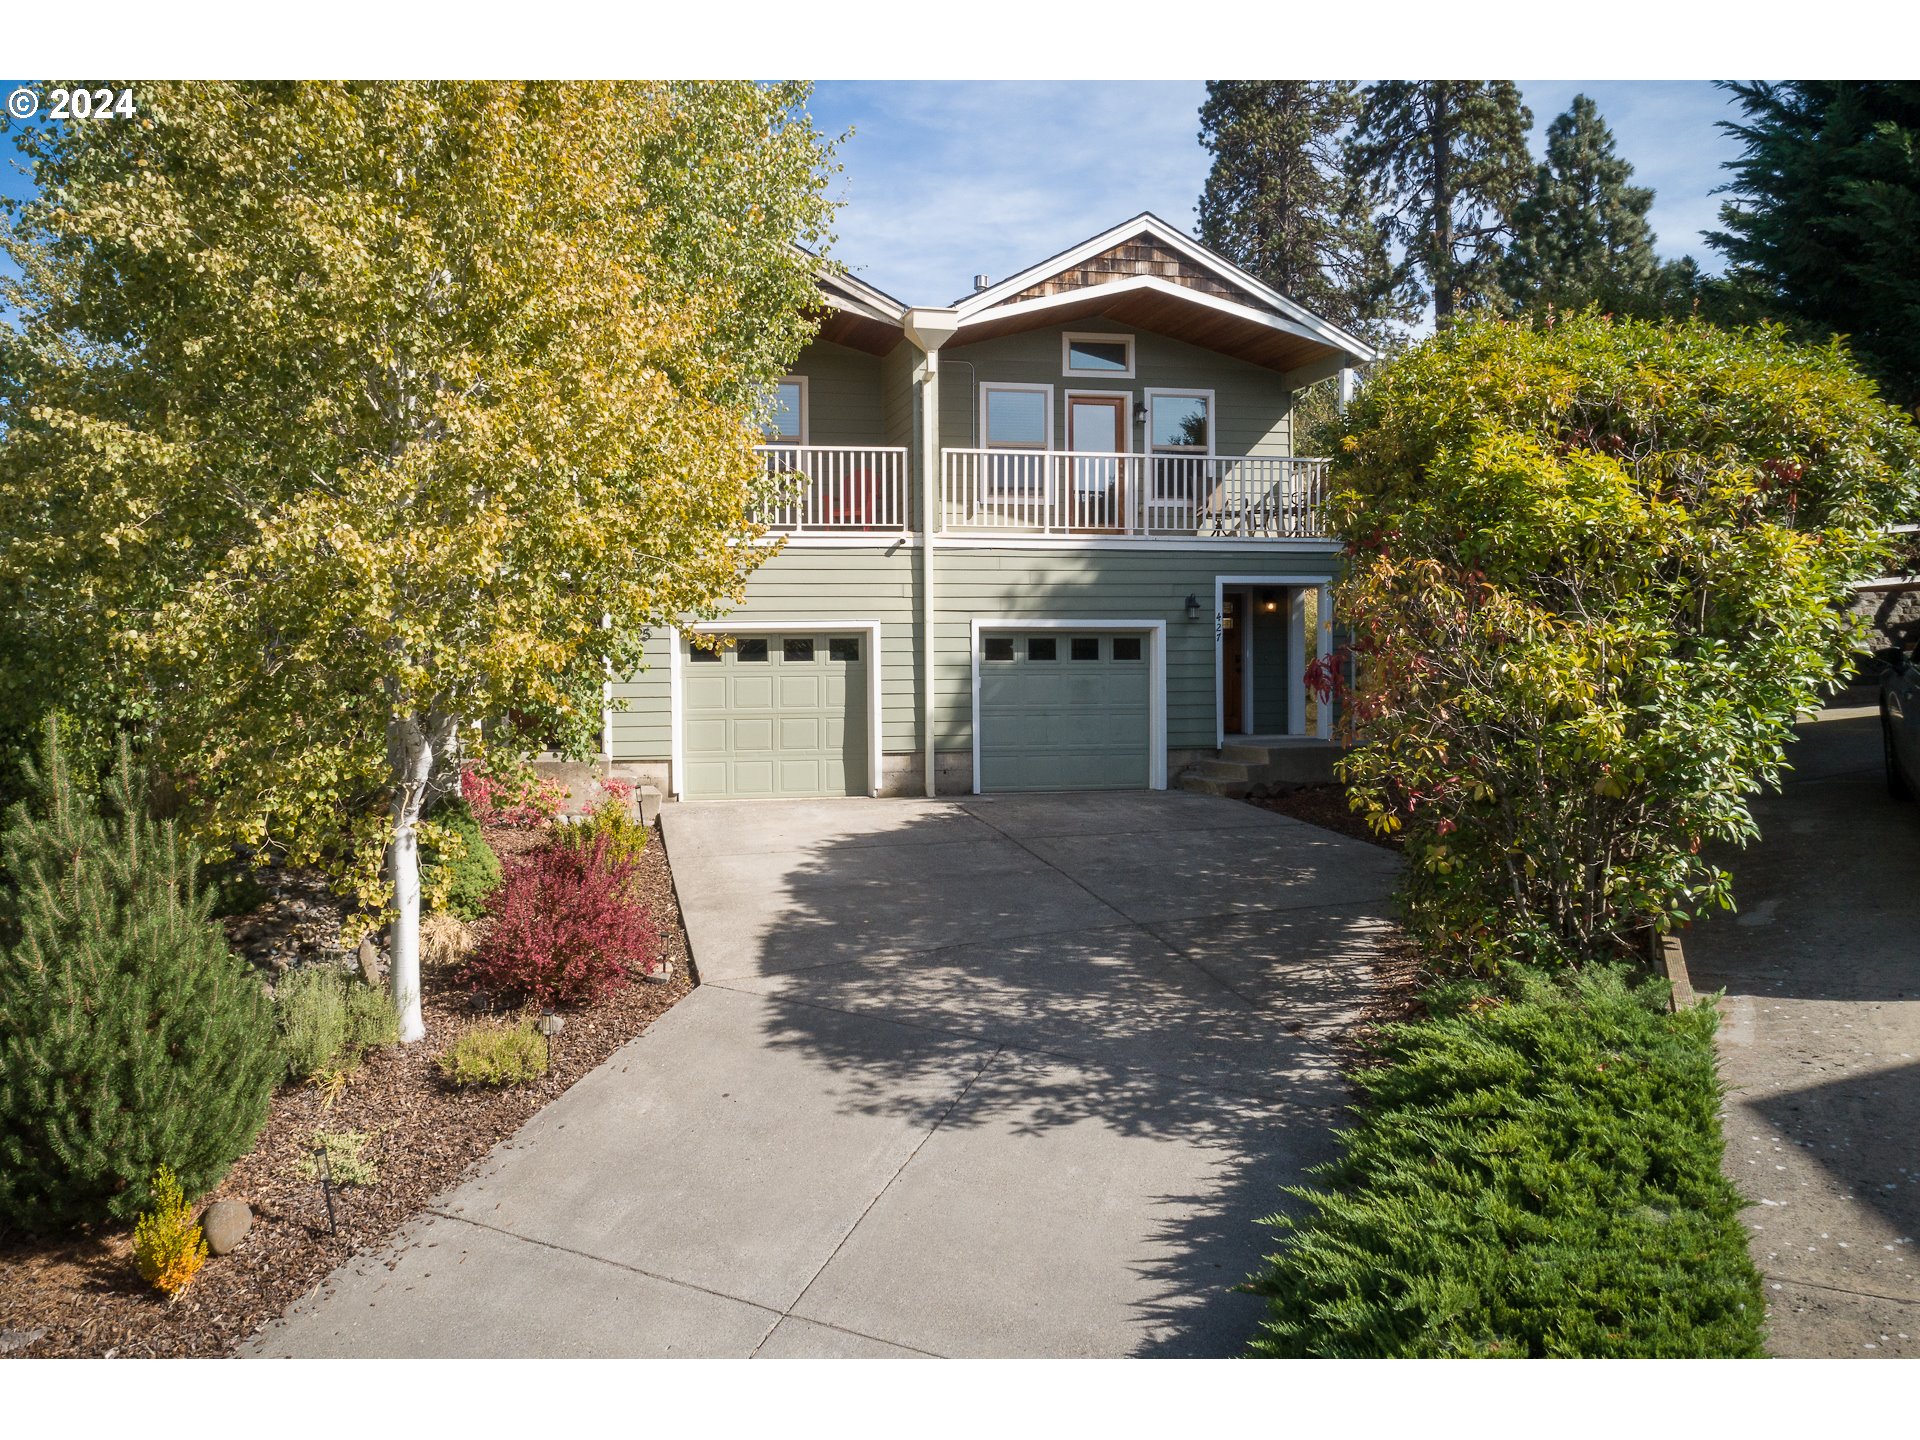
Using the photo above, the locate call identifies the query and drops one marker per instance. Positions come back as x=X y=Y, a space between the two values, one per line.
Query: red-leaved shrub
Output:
x=565 y=930
x=515 y=801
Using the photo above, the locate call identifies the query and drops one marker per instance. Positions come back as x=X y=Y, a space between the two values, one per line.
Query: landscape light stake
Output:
x=326 y=1185
x=550 y=1025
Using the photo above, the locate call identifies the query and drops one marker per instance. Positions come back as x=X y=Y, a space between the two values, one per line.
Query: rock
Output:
x=369 y=960
x=225 y=1224
x=12 y=1340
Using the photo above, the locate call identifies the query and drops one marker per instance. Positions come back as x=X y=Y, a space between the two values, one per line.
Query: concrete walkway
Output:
x=1820 y=1045
x=995 y=1077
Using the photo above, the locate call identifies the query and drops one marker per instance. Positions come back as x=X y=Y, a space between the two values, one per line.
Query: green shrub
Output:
x=502 y=1053
x=235 y=891
x=1592 y=578
x=347 y=1160
x=1537 y=1176
x=131 y=1037
x=626 y=837
x=458 y=868
x=329 y=1019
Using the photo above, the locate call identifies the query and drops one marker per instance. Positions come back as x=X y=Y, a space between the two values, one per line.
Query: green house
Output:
x=1053 y=536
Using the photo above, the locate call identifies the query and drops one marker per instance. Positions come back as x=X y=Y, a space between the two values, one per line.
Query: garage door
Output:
x=777 y=715
x=1060 y=711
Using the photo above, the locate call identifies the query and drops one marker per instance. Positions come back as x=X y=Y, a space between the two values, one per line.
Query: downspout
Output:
x=929 y=329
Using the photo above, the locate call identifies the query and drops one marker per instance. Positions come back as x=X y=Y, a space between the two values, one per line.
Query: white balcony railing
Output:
x=837 y=489
x=1048 y=492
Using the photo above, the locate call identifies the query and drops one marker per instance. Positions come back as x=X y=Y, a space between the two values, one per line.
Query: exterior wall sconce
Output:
x=1193 y=608
x=1268 y=603
x=1139 y=412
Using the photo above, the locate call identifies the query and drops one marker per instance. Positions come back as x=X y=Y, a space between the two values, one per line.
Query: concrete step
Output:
x=1222 y=769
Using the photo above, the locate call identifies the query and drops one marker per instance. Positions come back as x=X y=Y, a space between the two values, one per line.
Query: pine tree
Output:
x=1581 y=235
x=131 y=1037
x=1278 y=201
x=1444 y=163
x=1825 y=206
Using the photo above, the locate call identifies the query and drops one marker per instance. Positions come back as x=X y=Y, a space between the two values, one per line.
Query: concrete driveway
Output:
x=1820 y=1044
x=1007 y=1076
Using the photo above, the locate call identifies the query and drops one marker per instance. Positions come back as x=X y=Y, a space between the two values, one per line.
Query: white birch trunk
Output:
x=411 y=749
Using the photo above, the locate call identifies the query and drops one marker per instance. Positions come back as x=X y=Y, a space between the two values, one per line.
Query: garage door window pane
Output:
x=843 y=649
x=1040 y=648
x=1086 y=647
x=752 y=650
x=1126 y=647
x=699 y=654
x=801 y=650
x=997 y=647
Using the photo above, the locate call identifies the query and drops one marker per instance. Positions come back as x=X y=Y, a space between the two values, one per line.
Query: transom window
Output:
x=787 y=424
x=1097 y=354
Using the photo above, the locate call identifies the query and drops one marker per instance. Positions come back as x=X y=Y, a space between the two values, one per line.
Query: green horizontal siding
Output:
x=1050 y=583
x=1251 y=404
x=846 y=401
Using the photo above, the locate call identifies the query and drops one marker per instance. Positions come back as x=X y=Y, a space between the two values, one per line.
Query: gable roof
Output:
x=858 y=314
x=1145 y=268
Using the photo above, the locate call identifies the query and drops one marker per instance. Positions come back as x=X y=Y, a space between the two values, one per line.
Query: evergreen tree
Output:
x=1581 y=235
x=1279 y=203
x=1443 y=164
x=1825 y=206
x=131 y=1037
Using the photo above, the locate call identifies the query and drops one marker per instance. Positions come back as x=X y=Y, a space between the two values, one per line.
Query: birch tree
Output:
x=363 y=412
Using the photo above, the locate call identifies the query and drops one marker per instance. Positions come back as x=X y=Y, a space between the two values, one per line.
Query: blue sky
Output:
x=947 y=179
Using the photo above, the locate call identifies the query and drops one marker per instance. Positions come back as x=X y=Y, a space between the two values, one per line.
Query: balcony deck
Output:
x=829 y=490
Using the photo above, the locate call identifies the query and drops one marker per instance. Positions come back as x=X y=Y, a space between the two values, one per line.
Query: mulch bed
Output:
x=82 y=1291
x=1400 y=968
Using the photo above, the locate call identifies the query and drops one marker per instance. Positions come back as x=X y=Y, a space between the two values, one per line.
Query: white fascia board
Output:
x=1041 y=303
x=1148 y=224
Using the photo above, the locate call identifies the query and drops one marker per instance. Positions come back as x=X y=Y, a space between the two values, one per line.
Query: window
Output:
x=700 y=655
x=751 y=650
x=1180 y=434
x=1016 y=417
x=848 y=649
x=997 y=647
x=1126 y=647
x=1097 y=355
x=787 y=425
x=1041 y=647
x=1086 y=647
x=800 y=650
x=1180 y=421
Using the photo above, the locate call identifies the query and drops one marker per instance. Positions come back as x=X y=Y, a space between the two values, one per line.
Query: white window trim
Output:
x=676 y=705
x=1296 y=647
x=806 y=407
x=1147 y=447
x=1066 y=354
x=986 y=441
x=1067 y=397
x=1156 y=633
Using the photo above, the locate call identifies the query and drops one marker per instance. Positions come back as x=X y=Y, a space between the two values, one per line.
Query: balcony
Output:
x=836 y=489
x=1045 y=492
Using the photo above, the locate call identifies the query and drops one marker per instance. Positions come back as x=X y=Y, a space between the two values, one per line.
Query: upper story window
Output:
x=1110 y=355
x=1016 y=417
x=787 y=424
x=1180 y=422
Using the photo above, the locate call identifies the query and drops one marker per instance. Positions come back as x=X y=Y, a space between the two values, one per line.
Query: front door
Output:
x=1233 y=662
x=1096 y=431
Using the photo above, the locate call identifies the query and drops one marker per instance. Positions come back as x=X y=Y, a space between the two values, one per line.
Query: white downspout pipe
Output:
x=929 y=329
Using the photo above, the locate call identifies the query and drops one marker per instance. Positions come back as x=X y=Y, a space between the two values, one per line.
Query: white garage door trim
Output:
x=676 y=705
x=1156 y=633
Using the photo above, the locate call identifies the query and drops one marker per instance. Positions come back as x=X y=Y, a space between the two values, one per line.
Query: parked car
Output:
x=1900 y=719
